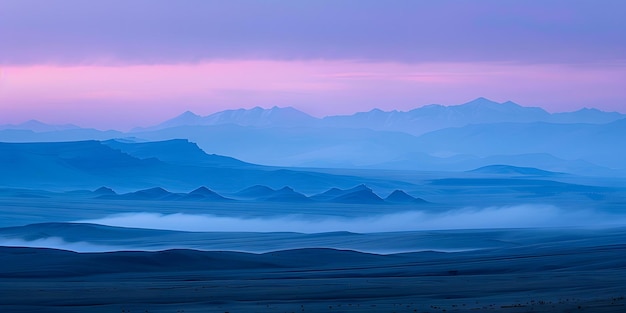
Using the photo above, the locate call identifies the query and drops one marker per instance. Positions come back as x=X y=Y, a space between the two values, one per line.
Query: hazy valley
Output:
x=434 y=204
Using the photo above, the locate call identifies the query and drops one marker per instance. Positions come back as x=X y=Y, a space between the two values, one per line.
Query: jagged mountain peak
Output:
x=480 y=101
x=399 y=196
x=104 y=191
x=257 y=116
x=202 y=191
x=188 y=114
x=415 y=121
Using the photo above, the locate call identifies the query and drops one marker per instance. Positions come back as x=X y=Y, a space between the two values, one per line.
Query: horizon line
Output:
x=267 y=108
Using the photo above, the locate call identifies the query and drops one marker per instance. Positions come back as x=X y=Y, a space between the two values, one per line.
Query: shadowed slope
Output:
x=399 y=196
x=104 y=191
x=513 y=170
x=204 y=193
x=360 y=194
x=175 y=151
x=286 y=194
x=91 y=164
x=255 y=192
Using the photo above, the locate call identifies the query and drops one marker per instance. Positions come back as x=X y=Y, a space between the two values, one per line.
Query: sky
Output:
x=119 y=64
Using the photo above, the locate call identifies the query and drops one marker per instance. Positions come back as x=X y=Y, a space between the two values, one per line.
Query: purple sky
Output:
x=118 y=64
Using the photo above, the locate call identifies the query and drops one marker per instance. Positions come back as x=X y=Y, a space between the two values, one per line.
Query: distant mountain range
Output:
x=434 y=137
x=416 y=122
x=479 y=111
x=257 y=117
x=37 y=126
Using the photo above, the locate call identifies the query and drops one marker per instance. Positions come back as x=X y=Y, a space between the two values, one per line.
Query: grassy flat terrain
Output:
x=538 y=279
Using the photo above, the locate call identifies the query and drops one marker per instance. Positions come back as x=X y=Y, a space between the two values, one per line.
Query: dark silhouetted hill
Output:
x=399 y=196
x=255 y=192
x=358 y=195
x=204 y=194
x=156 y=193
x=286 y=194
x=104 y=191
x=264 y=193
x=336 y=192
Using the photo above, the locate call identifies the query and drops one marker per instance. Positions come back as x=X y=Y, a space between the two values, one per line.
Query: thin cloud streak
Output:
x=58 y=243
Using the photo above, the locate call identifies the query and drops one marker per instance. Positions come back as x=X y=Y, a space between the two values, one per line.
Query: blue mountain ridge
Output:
x=467 y=136
x=259 y=193
x=91 y=164
x=416 y=121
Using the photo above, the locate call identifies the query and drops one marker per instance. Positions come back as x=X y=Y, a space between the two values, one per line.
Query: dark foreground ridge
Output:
x=317 y=280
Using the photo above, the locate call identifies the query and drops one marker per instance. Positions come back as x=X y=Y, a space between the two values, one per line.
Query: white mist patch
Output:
x=520 y=216
x=57 y=243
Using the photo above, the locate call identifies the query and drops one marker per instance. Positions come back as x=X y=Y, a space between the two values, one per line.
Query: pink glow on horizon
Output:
x=139 y=95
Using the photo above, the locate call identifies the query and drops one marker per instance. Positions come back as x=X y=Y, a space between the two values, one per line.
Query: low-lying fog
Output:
x=519 y=216
x=507 y=217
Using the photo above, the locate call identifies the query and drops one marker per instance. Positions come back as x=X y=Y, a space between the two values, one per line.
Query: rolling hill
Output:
x=92 y=164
